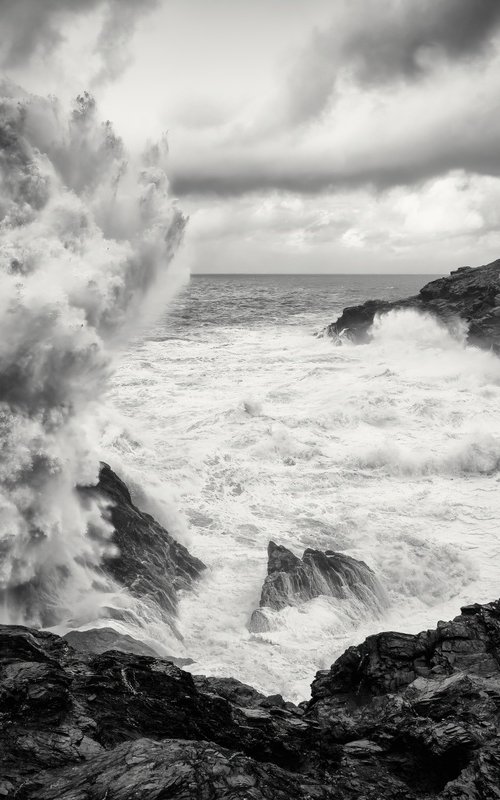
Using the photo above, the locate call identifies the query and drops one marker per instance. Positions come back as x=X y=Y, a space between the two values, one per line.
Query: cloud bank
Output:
x=391 y=93
x=32 y=28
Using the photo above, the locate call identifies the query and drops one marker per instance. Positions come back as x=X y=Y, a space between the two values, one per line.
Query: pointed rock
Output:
x=291 y=581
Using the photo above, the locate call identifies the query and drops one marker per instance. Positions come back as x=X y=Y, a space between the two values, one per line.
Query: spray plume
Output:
x=85 y=235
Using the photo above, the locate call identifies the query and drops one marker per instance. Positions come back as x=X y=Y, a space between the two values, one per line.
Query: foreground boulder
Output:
x=150 y=563
x=400 y=716
x=291 y=581
x=472 y=295
x=426 y=705
x=79 y=725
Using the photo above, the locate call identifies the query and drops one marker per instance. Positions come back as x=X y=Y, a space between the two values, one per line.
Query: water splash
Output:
x=86 y=233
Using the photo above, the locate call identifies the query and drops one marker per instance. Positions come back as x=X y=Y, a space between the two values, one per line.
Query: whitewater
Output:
x=234 y=423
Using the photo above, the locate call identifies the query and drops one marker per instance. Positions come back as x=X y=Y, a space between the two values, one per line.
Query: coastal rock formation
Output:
x=79 y=725
x=149 y=563
x=291 y=581
x=471 y=294
x=99 y=640
x=399 y=716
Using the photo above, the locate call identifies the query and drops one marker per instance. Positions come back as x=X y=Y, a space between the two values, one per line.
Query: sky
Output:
x=304 y=135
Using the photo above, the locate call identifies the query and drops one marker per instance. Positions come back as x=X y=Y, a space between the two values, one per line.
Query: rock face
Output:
x=150 y=563
x=424 y=706
x=118 y=725
x=400 y=717
x=470 y=294
x=291 y=581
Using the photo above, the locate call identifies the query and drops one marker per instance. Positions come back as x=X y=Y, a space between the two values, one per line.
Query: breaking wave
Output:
x=86 y=233
x=387 y=452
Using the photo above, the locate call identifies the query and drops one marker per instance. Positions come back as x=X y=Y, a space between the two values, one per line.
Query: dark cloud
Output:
x=389 y=154
x=380 y=41
x=34 y=27
x=400 y=118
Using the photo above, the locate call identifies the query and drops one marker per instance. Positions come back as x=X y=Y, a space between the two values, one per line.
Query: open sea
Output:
x=235 y=424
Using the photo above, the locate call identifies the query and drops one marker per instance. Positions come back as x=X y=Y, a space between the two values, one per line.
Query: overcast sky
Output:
x=305 y=135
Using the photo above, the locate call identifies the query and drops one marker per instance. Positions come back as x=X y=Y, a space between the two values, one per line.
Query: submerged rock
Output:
x=291 y=581
x=398 y=717
x=150 y=562
x=470 y=294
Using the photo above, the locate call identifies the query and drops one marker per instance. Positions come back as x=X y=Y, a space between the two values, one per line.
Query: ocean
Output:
x=235 y=423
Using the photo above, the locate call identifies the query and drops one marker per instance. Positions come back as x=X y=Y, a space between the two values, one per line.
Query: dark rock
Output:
x=60 y=707
x=173 y=769
x=430 y=701
x=472 y=295
x=239 y=694
x=149 y=563
x=399 y=717
x=291 y=580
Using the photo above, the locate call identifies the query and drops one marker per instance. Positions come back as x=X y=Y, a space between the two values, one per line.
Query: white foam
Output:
x=387 y=451
x=86 y=236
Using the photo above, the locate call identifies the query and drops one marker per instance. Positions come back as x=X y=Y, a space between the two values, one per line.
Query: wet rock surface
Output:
x=399 y=716
x=150 y=563
x=471 y=294
x=291 y=581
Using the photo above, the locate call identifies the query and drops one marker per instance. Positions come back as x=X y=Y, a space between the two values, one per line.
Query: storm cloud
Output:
x=391 y=93
x=35 y=27
x=375 y=42
x=303 y=129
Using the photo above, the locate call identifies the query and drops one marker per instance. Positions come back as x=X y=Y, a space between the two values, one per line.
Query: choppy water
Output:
x=242 y=427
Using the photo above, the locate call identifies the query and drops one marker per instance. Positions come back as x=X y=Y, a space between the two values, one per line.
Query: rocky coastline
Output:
x=97 y=715
x=468 y=294
x=399 y=716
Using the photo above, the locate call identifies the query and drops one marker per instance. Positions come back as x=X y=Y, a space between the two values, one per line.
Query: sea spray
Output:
x=86 y=233
x=385 y=452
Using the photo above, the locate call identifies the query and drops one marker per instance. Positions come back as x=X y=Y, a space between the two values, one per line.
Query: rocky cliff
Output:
x=470 y=294
x=400 y=716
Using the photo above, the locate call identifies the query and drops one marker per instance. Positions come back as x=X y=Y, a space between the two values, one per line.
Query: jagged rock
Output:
x=399 y=717
x=61 y=707
x=291 y=581
x=470 y=294
x=149 y=563
x=430 y=701
x=173 y=769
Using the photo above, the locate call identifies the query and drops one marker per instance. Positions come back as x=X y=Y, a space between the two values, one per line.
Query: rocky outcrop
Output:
x=121 y=725
x=99 y=640
x=472 y=295
x=150 y=563
x=399 y=716
x=291 y=581
x=426 y=707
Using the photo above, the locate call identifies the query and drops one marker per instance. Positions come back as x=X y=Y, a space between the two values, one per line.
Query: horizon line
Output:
x=311 y=274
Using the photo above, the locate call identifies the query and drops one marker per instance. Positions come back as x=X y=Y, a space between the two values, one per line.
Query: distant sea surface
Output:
x=235 y=424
